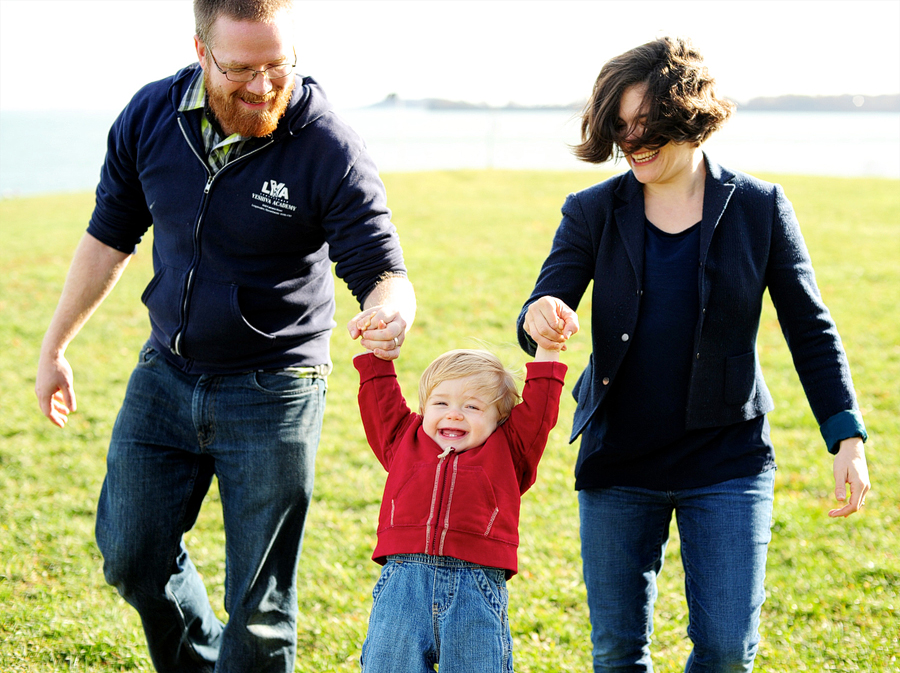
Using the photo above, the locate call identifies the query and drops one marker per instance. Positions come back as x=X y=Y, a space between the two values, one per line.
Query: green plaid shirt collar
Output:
x=219 y=150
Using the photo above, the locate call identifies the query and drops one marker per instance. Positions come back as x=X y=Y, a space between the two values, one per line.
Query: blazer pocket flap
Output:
x=740 y=376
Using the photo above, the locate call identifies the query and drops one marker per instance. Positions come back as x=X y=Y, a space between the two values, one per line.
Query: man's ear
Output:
x=201 y=51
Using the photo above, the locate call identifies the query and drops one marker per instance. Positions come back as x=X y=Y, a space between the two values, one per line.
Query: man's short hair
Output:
x=680 y=103
x=491 y=380
x=207 y=11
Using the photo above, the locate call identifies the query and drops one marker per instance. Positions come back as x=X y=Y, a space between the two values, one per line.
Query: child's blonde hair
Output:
x=490 y=378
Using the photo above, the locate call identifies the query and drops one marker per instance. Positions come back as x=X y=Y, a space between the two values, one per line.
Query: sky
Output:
x=94 y=54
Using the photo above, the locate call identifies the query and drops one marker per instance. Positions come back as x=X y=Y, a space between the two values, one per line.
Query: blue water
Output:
x=42 y=152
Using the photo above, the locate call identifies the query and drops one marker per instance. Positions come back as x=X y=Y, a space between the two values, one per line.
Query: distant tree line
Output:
x=845 y=103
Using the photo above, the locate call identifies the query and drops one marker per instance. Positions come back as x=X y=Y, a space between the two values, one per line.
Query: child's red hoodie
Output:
x=464 y=505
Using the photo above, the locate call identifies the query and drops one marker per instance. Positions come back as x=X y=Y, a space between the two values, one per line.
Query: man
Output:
x=253 y=187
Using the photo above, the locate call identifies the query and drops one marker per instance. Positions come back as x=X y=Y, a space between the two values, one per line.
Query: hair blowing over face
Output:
x=207 y=11
x=680 y=103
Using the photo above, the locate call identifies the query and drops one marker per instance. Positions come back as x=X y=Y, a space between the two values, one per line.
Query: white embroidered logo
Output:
x=273 y=198
x=276 y=189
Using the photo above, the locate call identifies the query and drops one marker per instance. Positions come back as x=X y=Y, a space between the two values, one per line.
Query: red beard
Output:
x=234 y=118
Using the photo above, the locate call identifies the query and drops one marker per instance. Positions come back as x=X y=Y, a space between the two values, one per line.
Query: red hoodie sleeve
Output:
x=532 y=419
x=385 y=414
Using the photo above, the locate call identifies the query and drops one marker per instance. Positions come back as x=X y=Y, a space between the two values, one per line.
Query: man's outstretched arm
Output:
x=95 y=269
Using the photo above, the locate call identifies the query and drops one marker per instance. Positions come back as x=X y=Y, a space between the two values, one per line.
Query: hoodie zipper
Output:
x=175 y=344
x=435 y=527
x=437 y=501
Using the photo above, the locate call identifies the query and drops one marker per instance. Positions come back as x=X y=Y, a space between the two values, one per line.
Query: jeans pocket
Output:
x=491 y=583
x=387 y=572
x=284 y=383
x=147 y=355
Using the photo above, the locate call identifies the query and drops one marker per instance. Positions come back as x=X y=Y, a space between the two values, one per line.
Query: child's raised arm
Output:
x=546 y=355
x=566 y=325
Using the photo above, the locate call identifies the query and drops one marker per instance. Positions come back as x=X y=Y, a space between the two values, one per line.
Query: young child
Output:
x=448 y=527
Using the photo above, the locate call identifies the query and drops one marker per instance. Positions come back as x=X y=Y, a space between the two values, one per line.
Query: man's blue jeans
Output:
x=725 y=531
x=437 y=609
x=257 y=433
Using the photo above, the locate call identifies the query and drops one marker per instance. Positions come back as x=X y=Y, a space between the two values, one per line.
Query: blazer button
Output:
x=606 y=380
x=625 y=337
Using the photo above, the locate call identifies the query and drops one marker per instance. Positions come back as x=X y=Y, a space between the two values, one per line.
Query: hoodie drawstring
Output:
x=447 y=452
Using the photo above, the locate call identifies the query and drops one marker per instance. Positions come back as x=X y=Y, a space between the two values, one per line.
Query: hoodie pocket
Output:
x=215 y=330
x=410 y=504
x=162 y=297
x=472 y=503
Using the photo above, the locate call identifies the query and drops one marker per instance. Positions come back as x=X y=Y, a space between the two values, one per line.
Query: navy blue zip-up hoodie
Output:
x=242 y=260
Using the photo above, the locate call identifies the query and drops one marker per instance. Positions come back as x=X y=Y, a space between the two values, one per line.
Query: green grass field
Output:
x=474 y=242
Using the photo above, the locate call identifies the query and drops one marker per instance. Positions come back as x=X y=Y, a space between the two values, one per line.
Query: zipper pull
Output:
x=208 y=184
x=446 y=453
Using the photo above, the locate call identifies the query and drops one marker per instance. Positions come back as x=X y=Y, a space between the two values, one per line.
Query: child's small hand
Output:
x=377 y=331
x=550 y=323
x=360 y=322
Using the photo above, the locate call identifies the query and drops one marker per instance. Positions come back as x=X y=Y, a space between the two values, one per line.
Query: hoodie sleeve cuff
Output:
x=549 y=370
x=842 y=426
x=370 y=366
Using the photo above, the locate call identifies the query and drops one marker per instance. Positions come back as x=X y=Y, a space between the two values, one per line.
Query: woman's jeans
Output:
x=257 y=433
x=438 y=609
x=725 y=532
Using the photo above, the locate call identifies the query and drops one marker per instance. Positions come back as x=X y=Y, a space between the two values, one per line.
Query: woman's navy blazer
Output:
x=750 y=240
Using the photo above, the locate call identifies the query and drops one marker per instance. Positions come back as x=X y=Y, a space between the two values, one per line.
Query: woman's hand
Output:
x=850 y=468
x=550 y=323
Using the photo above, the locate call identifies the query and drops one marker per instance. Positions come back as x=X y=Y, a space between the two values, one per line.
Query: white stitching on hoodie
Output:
x=491 y=522
x=449 y=502
x=434 y=490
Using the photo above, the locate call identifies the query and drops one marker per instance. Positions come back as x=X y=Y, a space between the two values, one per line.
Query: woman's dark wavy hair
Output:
x=681 y=103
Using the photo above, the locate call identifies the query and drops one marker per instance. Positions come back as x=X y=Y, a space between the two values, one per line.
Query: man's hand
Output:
x=95 y=269
x=388 y=313
x=379 y=330
x=55 y=389
x=850 y=468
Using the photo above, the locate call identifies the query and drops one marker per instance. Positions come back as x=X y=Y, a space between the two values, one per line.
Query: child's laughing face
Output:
x=457 y=416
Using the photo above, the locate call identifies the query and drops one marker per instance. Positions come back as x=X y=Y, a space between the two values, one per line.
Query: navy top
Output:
x=750 y=245
x=638 y=436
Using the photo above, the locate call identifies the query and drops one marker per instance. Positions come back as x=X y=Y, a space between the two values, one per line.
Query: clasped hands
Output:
x=379 y=329
x=550 y=323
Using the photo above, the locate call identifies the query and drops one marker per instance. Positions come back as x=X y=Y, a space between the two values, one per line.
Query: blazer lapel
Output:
x=717 y=193
x=630 y=214
x=630 y=222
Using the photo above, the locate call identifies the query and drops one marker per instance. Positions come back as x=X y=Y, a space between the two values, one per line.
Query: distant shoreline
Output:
x=53 y=151
x=791 y=103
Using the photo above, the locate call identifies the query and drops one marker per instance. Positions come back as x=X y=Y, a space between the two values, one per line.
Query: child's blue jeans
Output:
x=429 y=609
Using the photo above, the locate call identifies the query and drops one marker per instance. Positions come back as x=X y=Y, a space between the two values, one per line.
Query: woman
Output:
x=672 y=405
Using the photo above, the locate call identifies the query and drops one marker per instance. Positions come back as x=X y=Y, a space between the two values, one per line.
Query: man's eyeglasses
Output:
x=249 y=74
